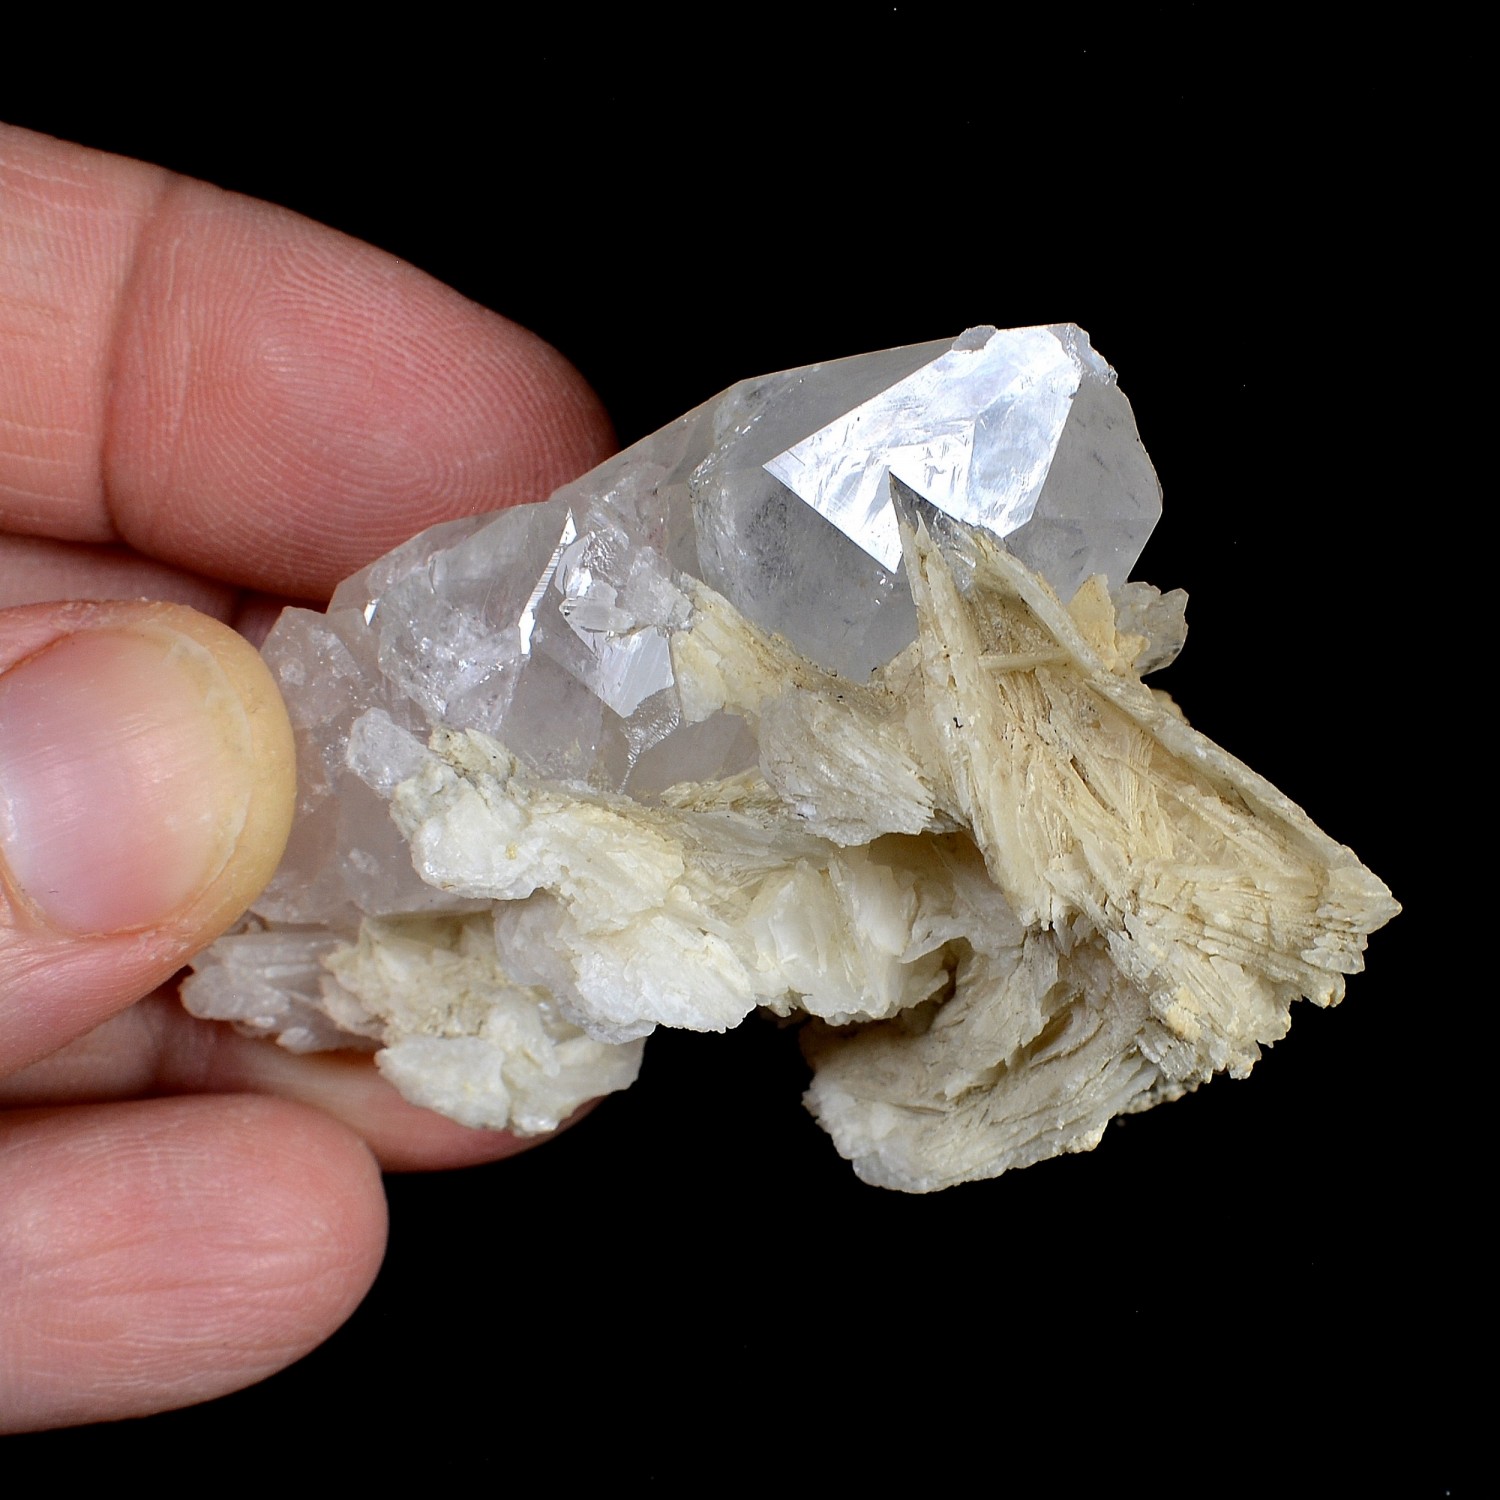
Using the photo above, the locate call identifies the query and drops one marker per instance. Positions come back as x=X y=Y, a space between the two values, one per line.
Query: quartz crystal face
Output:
x=824 y=700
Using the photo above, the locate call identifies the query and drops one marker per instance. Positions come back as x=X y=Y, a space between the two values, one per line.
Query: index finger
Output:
x=238 y=391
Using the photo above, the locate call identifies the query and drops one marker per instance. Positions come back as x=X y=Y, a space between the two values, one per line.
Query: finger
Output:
x=38 y=570
x=146 y=791
x=160 y=1253
x=242 y=393
x=155 y=1047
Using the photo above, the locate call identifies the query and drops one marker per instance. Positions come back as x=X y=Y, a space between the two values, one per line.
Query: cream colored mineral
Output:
x=1018 y=892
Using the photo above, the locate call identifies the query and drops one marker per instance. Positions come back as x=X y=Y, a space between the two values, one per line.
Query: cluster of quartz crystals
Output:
x=762 y=714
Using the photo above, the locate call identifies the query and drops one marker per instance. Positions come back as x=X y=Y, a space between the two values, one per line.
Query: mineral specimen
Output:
x=825 y=700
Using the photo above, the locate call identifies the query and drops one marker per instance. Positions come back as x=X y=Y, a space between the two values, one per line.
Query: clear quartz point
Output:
x=1024 y=433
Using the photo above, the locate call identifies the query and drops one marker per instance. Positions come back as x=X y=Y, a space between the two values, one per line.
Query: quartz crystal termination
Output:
x=824 y=700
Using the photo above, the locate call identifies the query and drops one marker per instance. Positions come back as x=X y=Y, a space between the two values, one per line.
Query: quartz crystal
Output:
x=826 y=701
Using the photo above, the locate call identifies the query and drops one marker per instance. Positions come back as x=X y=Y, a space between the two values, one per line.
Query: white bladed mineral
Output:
x=825 y=700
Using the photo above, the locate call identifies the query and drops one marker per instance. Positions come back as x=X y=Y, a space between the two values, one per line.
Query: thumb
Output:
x=146 y=791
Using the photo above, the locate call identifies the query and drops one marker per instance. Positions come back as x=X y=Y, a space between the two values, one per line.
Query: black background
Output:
x=692 y=1276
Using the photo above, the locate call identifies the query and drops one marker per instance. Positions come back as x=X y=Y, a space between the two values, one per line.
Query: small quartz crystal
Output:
x=826 y=701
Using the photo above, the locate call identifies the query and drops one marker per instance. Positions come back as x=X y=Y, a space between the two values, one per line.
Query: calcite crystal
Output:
x=826 y=701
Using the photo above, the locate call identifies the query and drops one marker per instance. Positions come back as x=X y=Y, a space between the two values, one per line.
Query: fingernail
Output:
x=125 y=777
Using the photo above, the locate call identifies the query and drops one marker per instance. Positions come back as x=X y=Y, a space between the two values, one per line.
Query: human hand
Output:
x=213 y=402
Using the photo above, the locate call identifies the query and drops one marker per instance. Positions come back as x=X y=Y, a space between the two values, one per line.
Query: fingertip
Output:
x=162 y=1253
x=147 y=787
x=340 y=401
